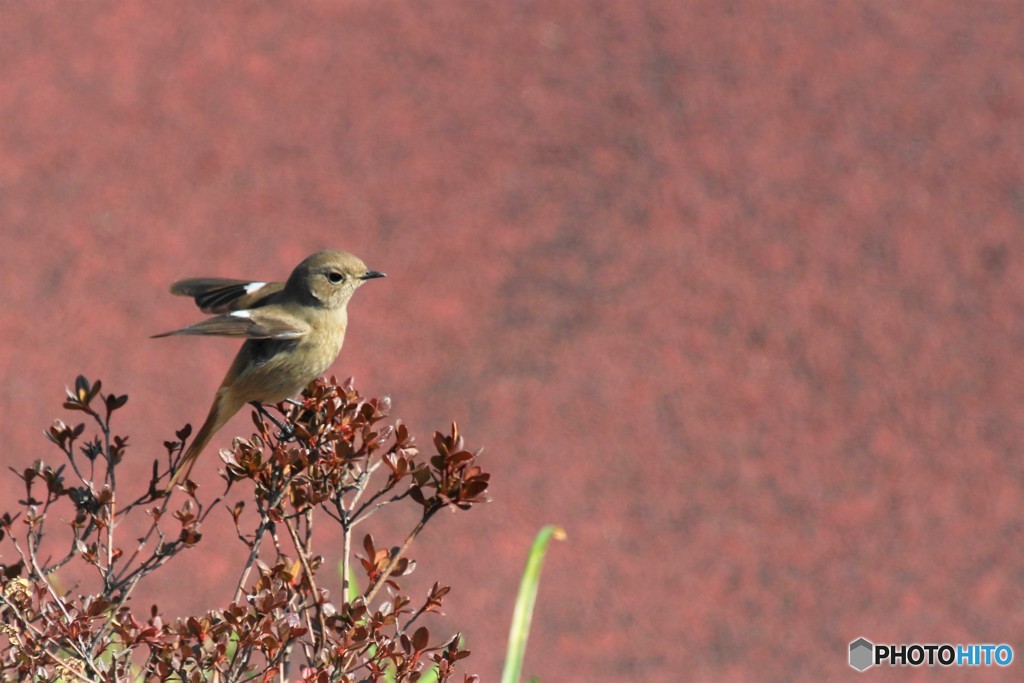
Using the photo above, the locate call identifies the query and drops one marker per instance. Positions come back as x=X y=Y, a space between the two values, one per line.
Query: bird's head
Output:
x=329 y=278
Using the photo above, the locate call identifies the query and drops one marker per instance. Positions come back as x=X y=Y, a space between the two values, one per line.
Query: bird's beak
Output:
x=370 y=274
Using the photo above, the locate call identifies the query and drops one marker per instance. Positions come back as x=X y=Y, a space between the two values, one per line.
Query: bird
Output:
x=293 y=332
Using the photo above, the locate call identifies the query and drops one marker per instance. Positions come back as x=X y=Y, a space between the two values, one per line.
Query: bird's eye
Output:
x=335 y=278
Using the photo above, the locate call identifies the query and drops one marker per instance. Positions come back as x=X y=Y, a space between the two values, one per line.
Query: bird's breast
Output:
x=270 y=371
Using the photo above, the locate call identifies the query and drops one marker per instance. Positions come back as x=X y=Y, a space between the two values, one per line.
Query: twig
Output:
x=318 y=634
x=390 y=566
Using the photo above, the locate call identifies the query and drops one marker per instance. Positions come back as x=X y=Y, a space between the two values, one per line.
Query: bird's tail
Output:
x=221 y=411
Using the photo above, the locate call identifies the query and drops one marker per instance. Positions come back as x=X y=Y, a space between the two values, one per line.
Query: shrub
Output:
x=334 y=457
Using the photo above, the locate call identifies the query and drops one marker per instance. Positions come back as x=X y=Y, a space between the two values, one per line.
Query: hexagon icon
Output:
x=861 y=654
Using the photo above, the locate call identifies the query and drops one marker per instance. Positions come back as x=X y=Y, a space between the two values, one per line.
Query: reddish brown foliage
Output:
x=282 y=625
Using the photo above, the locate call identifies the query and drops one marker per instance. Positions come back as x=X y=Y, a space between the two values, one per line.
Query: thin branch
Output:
x=390 y=566
x=346 y=554
x=300 y=548
x=359 y=515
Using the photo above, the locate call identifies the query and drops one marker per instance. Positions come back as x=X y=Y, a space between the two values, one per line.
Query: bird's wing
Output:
x=220 y=295
x=260 y=323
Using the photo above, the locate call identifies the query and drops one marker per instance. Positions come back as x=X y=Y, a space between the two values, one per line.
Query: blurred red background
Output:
x=732 y=291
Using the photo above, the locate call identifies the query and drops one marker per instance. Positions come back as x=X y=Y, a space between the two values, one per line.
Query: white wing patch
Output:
x=254 y=286
x=241 y=314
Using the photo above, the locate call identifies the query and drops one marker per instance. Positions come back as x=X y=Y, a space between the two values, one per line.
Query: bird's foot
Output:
x=287 y=431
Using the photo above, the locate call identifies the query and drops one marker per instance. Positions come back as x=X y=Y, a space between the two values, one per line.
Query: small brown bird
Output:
x=293 y=330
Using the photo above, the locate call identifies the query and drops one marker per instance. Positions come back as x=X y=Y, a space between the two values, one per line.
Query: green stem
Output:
x=523 y=612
